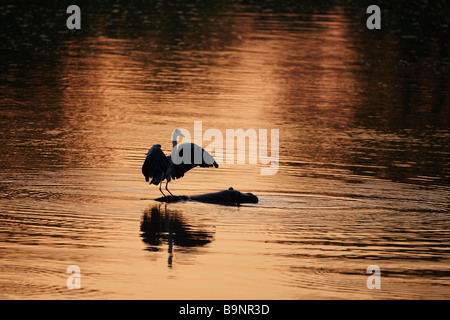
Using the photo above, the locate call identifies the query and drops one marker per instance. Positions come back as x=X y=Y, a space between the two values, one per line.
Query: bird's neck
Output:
x=174 y=143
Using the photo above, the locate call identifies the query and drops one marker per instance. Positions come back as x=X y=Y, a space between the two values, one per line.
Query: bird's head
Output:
x=176 y=133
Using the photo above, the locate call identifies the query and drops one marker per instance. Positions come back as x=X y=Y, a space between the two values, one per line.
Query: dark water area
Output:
x=364 y=128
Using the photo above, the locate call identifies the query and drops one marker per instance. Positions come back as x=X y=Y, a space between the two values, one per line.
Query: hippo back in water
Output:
x=225 y=197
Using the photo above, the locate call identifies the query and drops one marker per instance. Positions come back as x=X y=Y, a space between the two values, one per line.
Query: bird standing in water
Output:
x=183 y=158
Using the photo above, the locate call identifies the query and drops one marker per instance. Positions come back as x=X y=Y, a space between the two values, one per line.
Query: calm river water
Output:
x=363 y=179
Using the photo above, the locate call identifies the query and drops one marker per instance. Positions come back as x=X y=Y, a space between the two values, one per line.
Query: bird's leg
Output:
x=168 y=189
x=160 y=189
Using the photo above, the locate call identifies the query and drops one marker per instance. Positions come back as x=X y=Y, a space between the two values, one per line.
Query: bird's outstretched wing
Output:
x=155 y=162
x=185 y=161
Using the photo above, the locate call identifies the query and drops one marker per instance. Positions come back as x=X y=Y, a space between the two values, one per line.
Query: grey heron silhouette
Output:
x=185 y=156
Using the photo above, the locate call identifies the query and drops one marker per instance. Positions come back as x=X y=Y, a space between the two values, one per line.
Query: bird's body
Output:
x=158 y=167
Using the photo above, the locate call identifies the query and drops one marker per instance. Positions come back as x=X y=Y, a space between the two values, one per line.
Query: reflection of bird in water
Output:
x=167 y=226
x=183 y=158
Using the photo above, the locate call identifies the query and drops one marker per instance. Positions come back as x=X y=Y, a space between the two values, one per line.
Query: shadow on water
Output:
x=161 y=226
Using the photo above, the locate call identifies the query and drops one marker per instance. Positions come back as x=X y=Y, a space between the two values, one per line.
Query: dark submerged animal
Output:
x=225 y=197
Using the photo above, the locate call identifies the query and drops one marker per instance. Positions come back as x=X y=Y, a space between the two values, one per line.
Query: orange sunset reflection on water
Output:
x=362 y=177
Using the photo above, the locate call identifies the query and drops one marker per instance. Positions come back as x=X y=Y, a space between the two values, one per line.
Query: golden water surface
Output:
x=363 y=173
